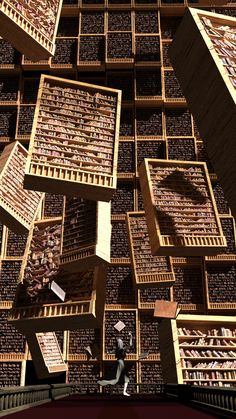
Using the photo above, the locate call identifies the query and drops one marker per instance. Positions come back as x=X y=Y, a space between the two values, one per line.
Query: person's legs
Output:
x=119 y=370
x=126 y=385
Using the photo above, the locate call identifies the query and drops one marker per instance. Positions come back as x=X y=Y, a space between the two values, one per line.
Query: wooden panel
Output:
x=177 y=195
x=84 y=161
x=202 y=57
x=30 y=28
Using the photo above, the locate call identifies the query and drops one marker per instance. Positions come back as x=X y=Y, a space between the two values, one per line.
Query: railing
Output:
x=18 y=398
x=13 y=399
x=221 y=401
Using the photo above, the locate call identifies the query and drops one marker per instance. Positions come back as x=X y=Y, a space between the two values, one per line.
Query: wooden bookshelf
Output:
x=18 y=207
x=86 y=234
x=164 y=196
x=36 y=306
x=84 y=162
x=46 y=354
x=202 y=350
x=148 y=270
x=228 y=253
x=83 y=308
x=31 y=28
x=220 y=285
x=210 y=68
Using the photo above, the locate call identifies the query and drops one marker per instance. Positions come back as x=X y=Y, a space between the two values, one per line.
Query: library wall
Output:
x=110 y=43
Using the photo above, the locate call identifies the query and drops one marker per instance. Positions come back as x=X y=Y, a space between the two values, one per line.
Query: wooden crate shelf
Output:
x=18 y=207
x=150 y=148
x=147 y=296
x=89 y=172
x=148 y=87
x=180 y=237
x=91 y=53
x=85 y=375
x=8 y=123
x=25 y=117
x=79 y=341
x=36 y=307
x=120 y=292
x=53 y=206
x=178 y=122
x=11 y=373
x=129 y=318
x=83 y=309
x=65 y=56
x=149 y=123
x=10 y=270
x=188 y=289
x=30 y=65
x=46 y=354
x=147 y=50
x=150 y=373
x=9 y=95
x=181 y=149
x=11 y=341
x=210 y=68
x=10 y=58
x=119 y=50
x=123 y=199
x=202 y=352
x=220 y=286
x=228 y=254
x=31 y=31
x=123 y=80
x=148 y=336
x=148 y=270
x=86 y=234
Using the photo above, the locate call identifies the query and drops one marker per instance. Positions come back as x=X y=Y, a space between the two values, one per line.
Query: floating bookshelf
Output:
x=36 y=307
x=31 y=27
x=174 y=190
x=86 y=234
x=84 y=161
x=210 y=68
x=46 y=354
x=148 y=270
x=18 y=207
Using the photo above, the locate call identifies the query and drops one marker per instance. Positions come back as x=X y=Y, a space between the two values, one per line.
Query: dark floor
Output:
x=111 y=408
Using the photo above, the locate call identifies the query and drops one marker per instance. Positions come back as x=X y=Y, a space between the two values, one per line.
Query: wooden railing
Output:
x=218 y=400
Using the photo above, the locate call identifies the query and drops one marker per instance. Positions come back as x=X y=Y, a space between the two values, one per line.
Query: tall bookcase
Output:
x=155 y=123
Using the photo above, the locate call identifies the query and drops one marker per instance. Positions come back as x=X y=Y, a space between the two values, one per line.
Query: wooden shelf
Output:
x=88 y=174
x=86 y=234
x=31 y=32
x=167 y=202
x=148 y=270
x=46 y=354
x=173 y=355
x=191 y=69
x=18 y=207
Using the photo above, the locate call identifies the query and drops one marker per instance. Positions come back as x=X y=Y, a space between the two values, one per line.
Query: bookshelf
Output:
x=203 y=350
x=148 y=270
x=86 y=234
x=77 y=164
x=18 y=207
x=167 y=187
x=31 y=27
x=46 y=354
x=217 y=76
x=141 y=136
